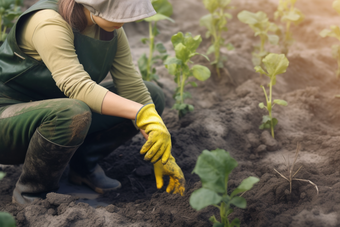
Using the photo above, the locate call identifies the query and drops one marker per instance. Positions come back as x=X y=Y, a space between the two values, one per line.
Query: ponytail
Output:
x=73 y=14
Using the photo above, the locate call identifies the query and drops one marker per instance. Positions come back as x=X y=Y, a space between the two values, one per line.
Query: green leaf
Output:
x=259 y=69
x=200 y=72
x=275 y=64
x=211 y=169
x=162 y=7
x=230 y=46
x=7 y=220
x=144 y=40
x=245 y=185
x=239 y=202
x=206 y=21
x=142 y=63
x=213 y=219
x=193 y=84
x=261 y=105
x=192 y=43
x=158 y=17
x=211 y=49
x=172 y=60
x=280 y=102
x=160 y=48
x=2 y=175
x=177 y=38
x=235 y=223
x=334 y=32
x=182 y=52
x=273 y=39
x=248 y=17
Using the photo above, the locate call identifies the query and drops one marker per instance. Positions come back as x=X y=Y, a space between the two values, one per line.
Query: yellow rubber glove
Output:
x=158 y=144
x=177 y=180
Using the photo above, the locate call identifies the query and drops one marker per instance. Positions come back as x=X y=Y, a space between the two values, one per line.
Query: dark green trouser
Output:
x=66 y=122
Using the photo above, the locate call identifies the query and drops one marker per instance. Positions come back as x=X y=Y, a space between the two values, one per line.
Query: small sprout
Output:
x=145 y=64
x=185 y=48
x=291 y=176
x=216 y=22
x=275 y=64
x=213 y=168
x=261 y=26
x=335 y=33
x=288 y=14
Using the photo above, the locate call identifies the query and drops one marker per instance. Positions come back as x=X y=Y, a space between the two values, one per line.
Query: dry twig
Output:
x=291 y=176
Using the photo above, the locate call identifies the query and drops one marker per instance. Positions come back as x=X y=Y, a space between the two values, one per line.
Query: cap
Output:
x=119 y=11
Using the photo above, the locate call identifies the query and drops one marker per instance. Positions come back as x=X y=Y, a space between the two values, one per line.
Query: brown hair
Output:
x=73 y=14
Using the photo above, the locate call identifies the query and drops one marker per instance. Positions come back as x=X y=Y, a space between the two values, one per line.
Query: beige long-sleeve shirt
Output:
x=46 y=36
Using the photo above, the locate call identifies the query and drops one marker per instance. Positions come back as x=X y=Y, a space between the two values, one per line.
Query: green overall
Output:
x=30 y=101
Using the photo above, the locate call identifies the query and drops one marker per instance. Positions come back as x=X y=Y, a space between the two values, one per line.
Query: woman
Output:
x=53 y=111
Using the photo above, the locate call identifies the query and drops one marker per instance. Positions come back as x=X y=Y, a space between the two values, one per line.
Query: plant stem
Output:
x=1 y=27
x=182 y=83
x=152 y=40
x=269 y=105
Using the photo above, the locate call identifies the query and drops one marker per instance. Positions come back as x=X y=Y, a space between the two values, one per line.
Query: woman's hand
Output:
x=158 y=144
x=177 y=180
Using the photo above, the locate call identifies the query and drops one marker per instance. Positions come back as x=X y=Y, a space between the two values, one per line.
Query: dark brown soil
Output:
x=226 y=116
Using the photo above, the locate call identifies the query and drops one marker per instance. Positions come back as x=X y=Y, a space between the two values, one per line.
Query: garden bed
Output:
x=226 y=116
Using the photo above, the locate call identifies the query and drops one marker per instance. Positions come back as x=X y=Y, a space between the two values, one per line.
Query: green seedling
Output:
x=185 y=48
x=275 y=64
x=288 y=14
x=291 y=177
x=262 y=27
x=145 y=64
x=6 y=219
x=9 y=11
x=334 y=32
x=216 y=22
x=213 y=168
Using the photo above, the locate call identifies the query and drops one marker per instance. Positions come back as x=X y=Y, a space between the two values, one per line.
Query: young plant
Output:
x=288 y=14
x=145 y=64
x=6 y=219
x=214 y=167
x=216 y=22
x=261 y=25
x=9 y=11
x=275 y=64
x=185 y=48
x=334 y=32
x=291 y=176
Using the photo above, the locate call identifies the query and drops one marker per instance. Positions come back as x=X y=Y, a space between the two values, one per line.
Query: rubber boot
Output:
x=84 y=168
x=44 y=165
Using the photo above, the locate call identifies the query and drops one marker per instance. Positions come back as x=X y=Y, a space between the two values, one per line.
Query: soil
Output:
x=226 y=116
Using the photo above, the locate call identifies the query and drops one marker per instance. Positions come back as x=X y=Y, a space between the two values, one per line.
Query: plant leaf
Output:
x=239 y=202
x=177 y=38
x=160 y=48
x=162 y=7
x=7 y=220
x=261 y=105
x=235 y=223
x=2 y=175
x=275 y=64
x=204 y=197
x=200 y=72
x=158 y=17
x=259 y=69
x=280 y=102
x=211 y=169
x=245 y=185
